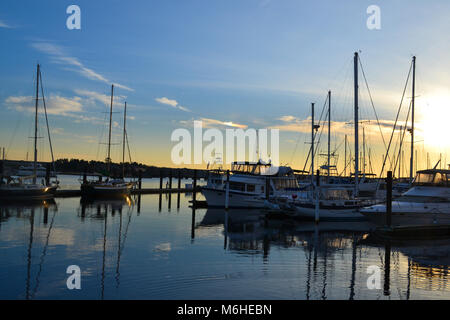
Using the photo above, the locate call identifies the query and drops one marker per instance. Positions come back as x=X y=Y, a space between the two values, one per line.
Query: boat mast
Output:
x=123 y=142
x=329 y=131
x=108 y=159
x=412 y=121
x=364 y=153
x=355 y=62
x=345 y=157
x=36 y=124
x=312 y=143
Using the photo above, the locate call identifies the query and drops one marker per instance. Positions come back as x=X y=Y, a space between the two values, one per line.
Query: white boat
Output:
x=27 y=170
x=247 y=185
x=28 y=187
x=335 y=204
x=426 y=203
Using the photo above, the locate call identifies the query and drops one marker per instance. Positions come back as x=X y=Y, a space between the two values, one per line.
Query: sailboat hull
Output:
x=105 y=190
x=32 y=192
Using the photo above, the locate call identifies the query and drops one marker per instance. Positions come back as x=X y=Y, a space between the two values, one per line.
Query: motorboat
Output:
x=427 y=202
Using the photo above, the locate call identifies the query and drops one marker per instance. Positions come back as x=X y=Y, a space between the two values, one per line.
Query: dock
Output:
x=77 y=192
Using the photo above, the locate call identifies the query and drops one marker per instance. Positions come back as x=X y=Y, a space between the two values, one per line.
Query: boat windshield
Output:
x=249 y=168
x=432 y=179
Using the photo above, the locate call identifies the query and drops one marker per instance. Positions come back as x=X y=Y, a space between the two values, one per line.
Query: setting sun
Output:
x=433 y=119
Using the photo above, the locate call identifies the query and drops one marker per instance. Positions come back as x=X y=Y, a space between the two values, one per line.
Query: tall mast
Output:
x=312 y=143
x=345 y=157
x=123 y=142
x=412 y=120
x=364 y=153
x=108 y=159
x=36 y=124
x=355 y=62
x=329 y=131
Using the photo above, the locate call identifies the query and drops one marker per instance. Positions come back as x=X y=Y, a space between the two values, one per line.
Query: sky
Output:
x=233 y=64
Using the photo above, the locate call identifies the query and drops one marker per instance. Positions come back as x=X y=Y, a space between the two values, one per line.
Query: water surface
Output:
x=150 y=249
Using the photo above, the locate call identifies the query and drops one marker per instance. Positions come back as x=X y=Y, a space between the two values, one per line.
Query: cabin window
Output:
x=250 y=188
x=238 y=186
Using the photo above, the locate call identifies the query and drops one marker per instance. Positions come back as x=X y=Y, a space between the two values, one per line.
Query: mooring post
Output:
x=317 y=192
x=170 y=179
x=389 y=199
x=85 y=175
x=47 y=175
x=194 y=187
x=179 y=189
x=160 y=180
x=227 y=191
x=140 y=180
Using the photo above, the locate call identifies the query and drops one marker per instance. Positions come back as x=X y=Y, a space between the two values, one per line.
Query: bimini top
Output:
x=432 y=177
x=259 y=168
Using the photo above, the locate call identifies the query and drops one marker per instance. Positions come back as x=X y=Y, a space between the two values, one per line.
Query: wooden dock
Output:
x=77 y=192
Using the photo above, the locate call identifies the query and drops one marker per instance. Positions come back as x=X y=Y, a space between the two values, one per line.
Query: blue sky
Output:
x=251 y=62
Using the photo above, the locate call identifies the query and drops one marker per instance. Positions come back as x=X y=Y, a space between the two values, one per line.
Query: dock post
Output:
x=194 y=187
x=227 y=191
x=179 y=188
x=140 y=180
x=170 y=179
x=47 y=175
x=389 y=199
x=160 y=180
x=85 y=175
x=317 y=192
x=170 y=190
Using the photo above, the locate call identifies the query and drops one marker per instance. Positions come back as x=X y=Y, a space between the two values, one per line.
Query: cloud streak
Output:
x=172 y=103
x=58 y=56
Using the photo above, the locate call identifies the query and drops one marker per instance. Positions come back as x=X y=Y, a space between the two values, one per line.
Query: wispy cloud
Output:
x=293 y=124
x=172 y=103
x=213 y=123
x=5 y=25
x=59 y=56
x=93 y=96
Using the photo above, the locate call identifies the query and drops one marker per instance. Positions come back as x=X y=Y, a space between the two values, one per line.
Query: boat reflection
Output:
x=99 y=209
x=335 y=251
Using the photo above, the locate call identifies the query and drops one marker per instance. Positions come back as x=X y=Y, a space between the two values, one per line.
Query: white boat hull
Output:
x=216 y=198
x=410 y=213
x=329 y=214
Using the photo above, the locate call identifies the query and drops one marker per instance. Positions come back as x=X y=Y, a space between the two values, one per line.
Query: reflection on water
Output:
x=151 y=248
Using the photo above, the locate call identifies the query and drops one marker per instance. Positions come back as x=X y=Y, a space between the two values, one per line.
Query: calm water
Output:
x=170 y=253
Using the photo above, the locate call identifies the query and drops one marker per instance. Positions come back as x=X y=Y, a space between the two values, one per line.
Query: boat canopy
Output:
x=260 y=168
x=432 y=177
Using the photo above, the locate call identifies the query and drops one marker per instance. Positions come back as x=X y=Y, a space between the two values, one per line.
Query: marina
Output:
x=224 y=151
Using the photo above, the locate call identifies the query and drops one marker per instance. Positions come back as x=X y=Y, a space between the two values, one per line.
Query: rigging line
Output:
x=315 y=134
x=402 y=138
x=395 y=123
x=44 y=253
x=46 y=121
x=373 y=106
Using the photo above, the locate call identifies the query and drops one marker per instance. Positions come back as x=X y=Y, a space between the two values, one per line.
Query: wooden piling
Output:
x=194 y=186
x=317 y=192
x=160 y=180
x=140 y=180
x=227 y=191
x=389 y=199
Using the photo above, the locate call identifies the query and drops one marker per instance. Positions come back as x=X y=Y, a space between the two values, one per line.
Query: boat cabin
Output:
x=433 y=178
x=253 y=168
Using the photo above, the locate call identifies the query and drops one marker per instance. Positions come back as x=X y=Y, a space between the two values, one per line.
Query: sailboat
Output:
x=111 y=187
x=28 y=188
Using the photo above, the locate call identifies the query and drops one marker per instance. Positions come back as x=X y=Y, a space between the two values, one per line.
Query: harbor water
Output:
x=158 y=247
